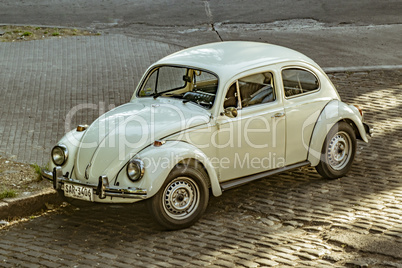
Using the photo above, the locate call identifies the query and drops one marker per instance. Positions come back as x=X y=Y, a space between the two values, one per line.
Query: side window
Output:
x=298 y=81
x=256 y=89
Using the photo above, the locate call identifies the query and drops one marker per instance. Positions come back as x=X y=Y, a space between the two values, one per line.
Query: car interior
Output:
x=254 y=89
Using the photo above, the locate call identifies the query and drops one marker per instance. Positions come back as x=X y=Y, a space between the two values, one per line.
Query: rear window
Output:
x=299 y=81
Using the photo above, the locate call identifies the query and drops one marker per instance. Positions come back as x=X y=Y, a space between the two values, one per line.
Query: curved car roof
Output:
x=233 y=57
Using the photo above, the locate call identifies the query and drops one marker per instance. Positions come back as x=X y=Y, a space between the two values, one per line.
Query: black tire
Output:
x=182 y=199
x=338 y=151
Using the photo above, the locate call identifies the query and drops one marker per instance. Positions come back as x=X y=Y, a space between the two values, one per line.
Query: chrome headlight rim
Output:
x=135 y=169
x=64 y=153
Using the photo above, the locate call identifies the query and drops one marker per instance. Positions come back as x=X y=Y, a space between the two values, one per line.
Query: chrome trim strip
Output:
x=47 y=175
x=243 y=180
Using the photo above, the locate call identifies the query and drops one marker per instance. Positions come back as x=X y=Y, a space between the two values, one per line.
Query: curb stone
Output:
x=28 y=205
x=361 y=68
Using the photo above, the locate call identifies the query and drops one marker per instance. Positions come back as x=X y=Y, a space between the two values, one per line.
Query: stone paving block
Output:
x=285 y=261
x=361 y=225
x=307 y=256
x=287 y=256
x=315 y=252
x=207 y=258
x=247 y=263
x=266 y=262
x=7 y=265
x=165 y=264
x=199 y=263
x=50 y=264
x=31 y=253
x=51 y=258
x=394 y=233
x=224 y=263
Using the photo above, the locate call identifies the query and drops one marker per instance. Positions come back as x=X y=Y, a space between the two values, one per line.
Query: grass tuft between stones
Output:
x=8 y=194
x=11 y=33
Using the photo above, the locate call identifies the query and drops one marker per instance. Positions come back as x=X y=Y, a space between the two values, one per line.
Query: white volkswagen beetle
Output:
x=211 y=117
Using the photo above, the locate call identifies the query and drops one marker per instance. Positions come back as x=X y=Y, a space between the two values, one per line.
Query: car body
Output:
x=211 y=117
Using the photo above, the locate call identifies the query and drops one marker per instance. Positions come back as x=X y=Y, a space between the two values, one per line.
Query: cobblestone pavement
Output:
x=42 y=81
x=293 y=219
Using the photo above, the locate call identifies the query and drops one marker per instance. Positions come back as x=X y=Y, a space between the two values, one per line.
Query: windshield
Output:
x=190 y=85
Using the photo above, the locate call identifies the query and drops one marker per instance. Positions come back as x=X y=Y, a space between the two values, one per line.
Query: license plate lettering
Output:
x=78 y=192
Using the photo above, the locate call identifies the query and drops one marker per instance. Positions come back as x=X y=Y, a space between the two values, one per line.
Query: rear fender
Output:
x=332 y=113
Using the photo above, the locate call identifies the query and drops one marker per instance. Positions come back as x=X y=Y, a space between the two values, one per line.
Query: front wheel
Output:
x=182 y=199
x=338 y=151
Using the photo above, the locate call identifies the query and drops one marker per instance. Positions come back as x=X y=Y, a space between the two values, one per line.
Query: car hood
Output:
x=115 y=137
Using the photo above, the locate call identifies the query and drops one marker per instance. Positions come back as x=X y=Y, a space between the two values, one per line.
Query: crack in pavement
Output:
x=210 y=18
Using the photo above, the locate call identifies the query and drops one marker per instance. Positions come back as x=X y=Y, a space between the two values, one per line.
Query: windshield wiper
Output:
x=155 y=95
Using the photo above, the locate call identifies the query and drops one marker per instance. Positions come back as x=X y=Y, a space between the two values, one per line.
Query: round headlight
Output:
x=59 y=154
x=135 y=169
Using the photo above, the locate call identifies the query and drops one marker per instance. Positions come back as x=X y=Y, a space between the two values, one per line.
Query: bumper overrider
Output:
x=102 y=189
x=369 y=130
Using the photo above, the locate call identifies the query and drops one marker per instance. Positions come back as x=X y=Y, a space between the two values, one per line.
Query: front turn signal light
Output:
x=81 y=128
x=159 y=143
x=359 y=109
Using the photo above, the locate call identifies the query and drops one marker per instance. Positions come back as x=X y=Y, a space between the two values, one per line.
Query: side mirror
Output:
x=230 y=112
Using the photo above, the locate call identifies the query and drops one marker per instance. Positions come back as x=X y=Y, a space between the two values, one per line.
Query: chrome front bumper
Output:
x=102 y=189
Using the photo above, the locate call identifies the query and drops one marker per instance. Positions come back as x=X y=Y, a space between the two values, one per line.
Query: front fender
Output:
x=71 y=140
x=332 y=113
x=159 y=161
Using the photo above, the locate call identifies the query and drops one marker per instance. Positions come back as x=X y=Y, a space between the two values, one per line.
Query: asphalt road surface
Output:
x=194 y=13
x=334 y=33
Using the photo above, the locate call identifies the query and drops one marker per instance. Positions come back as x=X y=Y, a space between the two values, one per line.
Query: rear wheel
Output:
x=182 y=199
x=338 y=151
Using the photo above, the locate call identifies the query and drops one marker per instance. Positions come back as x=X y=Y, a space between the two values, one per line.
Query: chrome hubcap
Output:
x=339 y=150
x=181 y=198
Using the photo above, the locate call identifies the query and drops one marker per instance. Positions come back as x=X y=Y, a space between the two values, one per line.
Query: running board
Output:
x=243 y=180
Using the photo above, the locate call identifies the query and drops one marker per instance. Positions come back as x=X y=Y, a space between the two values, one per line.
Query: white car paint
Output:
x=297 y=125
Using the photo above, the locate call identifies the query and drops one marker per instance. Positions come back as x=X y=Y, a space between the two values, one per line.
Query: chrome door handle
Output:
x=278 y=115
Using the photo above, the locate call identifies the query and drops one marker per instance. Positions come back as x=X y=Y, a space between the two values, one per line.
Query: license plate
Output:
x=78 y=192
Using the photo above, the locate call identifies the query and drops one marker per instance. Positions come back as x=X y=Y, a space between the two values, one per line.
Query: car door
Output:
x=303 y=103
x=254 y=140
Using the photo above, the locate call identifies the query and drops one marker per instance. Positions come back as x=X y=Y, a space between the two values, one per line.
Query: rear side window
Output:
x=299 y=81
